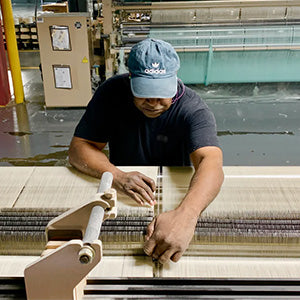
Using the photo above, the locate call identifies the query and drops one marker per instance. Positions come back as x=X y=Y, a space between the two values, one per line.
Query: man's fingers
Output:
x=166 y=256
x=135 y=197
x=175 y=257
x=169 y=236
x=145 y=195
x=150 y=182
x=150 y=243
x=149 y=246
x=146 y=187
x=161 y=248
x=163 y=253
x=150 y=229
x=139 y=187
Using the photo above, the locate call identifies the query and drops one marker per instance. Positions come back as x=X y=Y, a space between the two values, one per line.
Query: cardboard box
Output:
x=56 y=7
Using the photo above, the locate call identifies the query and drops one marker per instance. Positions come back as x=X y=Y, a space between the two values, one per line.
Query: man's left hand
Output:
x=169 y=235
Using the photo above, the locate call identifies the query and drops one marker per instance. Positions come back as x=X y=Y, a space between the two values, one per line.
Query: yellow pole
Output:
x=12 y=50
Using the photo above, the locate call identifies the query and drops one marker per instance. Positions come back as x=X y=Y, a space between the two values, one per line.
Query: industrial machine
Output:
x=246 y=243
x=73 y=246
x=217 y=41
x=221 y=41
x=66 y=58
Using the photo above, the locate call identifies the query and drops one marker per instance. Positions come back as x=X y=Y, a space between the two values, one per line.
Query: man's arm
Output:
x=170 y=233
x=87 y=156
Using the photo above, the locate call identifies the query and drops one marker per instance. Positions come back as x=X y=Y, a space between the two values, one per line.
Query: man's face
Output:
x=152 y=107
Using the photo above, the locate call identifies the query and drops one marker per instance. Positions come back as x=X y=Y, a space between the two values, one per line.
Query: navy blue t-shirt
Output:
x=136 y=140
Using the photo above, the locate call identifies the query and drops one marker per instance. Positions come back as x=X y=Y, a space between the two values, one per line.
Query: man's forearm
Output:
x=204 y=187
x=89 y=159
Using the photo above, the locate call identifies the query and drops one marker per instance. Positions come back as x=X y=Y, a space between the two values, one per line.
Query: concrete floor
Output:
x=258 y=124
x=30 y=133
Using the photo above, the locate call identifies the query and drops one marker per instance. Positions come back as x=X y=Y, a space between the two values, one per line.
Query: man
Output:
x=149 y=117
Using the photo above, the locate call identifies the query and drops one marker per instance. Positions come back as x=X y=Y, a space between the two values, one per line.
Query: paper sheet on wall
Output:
x=62 y=77
x=60 y=38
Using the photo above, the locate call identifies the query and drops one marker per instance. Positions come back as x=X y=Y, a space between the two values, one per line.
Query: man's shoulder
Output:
x=115 y=87
x=117 y=80
x=112 y=91
x=192 y=100
x=191 y=94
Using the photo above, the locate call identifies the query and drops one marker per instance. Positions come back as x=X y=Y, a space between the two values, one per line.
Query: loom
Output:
x=217 y=41
x=246 y=242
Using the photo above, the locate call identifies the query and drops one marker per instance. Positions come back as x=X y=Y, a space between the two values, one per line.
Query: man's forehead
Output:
x=150 y=98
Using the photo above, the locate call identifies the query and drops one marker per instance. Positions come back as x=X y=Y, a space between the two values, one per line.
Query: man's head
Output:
x=152 y=107
x=153 y=66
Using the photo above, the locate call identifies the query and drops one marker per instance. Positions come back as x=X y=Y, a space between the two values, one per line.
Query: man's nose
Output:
x=152 y=101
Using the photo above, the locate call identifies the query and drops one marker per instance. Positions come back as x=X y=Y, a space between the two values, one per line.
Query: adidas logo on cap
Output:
x=155 y=65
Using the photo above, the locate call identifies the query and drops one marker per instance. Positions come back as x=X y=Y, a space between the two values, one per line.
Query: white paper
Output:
x=62 y=77
x=60 y=38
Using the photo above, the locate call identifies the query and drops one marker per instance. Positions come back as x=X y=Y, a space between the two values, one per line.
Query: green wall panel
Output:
x=240 y=66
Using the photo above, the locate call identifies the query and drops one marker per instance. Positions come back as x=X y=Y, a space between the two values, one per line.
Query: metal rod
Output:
x=217 y=48
x=95 y=221
x=204 y=4
x=93 y=228
x=106 y=182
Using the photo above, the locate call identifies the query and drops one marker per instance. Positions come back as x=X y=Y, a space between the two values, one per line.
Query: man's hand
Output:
x=169 y=235
x=136 y=185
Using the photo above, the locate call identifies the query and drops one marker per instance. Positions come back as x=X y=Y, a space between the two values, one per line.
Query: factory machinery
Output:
x=218 y=41
x=246 y=243
x=221 y=41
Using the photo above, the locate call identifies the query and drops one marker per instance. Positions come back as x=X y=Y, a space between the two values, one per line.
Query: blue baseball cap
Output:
x=153 y=66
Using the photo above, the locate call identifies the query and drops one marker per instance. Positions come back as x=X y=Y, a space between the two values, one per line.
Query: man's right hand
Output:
x=137 y=186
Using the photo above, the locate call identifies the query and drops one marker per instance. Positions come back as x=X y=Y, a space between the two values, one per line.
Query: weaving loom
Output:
x=219 y=41
x=249 y=233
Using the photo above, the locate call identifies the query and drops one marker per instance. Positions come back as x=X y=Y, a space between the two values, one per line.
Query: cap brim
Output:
x=142 y=87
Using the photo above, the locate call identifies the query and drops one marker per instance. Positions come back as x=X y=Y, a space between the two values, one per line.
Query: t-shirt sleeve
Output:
x=202 y=130
x=94 y=124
